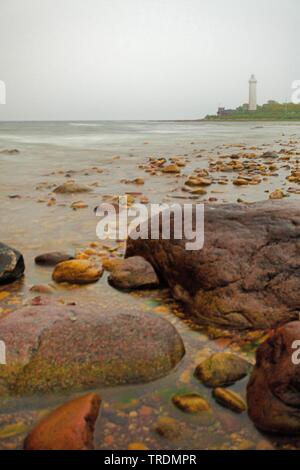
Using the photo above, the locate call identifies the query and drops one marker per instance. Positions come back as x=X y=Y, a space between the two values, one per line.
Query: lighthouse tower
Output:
x=252 y=93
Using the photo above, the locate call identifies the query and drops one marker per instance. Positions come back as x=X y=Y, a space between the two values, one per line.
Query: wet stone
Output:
x=133 y=273
x=12 y=265
x=229 y=399
x=69 y=427
x=52 y=258
x=61 y=347
x=191 y=403
x=222 y=369
x=77 y=271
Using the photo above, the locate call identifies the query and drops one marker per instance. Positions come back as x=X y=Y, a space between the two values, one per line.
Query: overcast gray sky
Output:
x=143 y=59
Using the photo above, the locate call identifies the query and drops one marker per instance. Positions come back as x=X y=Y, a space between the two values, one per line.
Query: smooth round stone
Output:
x=77 y=271
x=133 y=273
x=52 y=258
x=191 y=403
x=12 y=265
x=222 y=369
x=229 y=399
x=53 y=347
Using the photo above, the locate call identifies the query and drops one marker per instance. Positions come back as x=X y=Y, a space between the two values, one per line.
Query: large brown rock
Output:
x=247 y=276
x=273 y=393
x=54 y=347
x=69 y=427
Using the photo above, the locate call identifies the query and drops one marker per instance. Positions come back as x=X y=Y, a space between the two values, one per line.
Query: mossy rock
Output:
x=222 y=369
x=53 y=347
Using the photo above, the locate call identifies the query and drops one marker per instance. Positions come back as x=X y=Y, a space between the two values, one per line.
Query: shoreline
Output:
x=39 y=219
x=64 y=121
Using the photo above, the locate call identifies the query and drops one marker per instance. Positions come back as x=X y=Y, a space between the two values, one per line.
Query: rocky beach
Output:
x=143 y=345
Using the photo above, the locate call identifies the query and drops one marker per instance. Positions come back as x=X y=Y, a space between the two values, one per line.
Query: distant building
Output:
x=225 y=112
x=252 y=93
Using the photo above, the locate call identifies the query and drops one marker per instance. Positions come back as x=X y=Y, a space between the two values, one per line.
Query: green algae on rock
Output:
x=53 y=347
x=11 y=430
x=222 y=369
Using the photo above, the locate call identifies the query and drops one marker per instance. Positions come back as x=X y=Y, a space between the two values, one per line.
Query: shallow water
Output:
x=101 y=154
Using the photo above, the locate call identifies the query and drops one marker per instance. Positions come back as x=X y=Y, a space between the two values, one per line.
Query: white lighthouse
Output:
x=252 y=93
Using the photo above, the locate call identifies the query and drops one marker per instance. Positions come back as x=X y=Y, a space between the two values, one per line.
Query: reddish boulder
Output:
x=52 y=347
x=247 y=274
x=273 y=393
x=69 y=427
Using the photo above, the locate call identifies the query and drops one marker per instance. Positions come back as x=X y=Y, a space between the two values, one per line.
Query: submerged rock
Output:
x=191 y=403
x=12 y=265
x=229 y=399
x=69 y=427
x=53 y=347
x=70 y=187
x=247 y=274
x=133 y=273
x=52 y=258
x=222 y=369
x=277 y=194
x=42 y=289
x=77 y=271
x=273 y=392
x=79 y=205
x=168 y=427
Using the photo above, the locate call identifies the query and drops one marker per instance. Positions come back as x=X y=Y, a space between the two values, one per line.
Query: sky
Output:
x=143 y=59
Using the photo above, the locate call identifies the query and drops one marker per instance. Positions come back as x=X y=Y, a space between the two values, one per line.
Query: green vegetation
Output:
x=271 y=111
